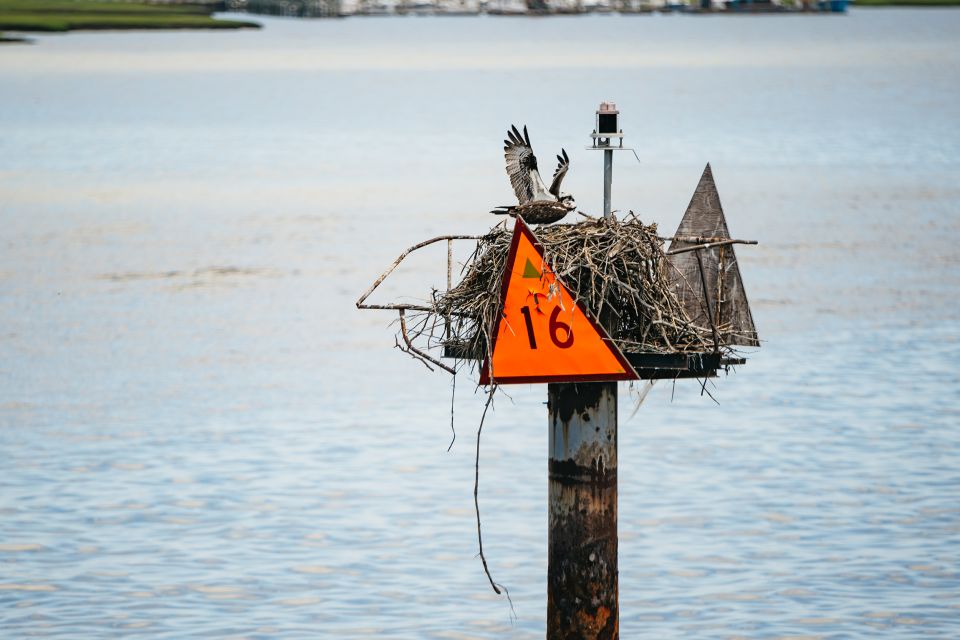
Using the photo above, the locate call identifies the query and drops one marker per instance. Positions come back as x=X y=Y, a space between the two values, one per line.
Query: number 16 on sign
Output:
x=542 y=333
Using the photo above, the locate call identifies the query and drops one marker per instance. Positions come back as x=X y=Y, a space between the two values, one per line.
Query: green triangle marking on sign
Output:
x=530 y=271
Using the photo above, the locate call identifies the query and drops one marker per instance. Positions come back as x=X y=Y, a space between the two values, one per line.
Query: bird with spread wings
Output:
x=538 y=204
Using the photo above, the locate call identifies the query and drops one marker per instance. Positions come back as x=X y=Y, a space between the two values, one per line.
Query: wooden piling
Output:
x=582 y=573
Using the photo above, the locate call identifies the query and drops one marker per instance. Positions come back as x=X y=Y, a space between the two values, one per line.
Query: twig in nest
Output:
x=413 y=350
x=397 y=345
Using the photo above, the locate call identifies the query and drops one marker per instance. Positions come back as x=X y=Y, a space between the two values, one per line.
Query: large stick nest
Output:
x=616 y=269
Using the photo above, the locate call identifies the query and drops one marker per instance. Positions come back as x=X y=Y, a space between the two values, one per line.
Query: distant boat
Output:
x=507 y=8
x=598 y=6
x=372 y=8
x=834 y=6
x=458 y=8
x=754 y=6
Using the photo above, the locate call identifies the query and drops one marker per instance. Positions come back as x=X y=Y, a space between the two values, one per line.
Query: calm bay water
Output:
x=202 y=437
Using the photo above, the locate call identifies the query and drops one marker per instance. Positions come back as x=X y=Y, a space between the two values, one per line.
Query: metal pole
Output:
x=607 y=181
x=583 y=592
x=582 y=585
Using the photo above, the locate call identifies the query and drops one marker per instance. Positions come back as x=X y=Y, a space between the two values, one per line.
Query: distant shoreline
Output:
x=56 y=16
x=548 y=8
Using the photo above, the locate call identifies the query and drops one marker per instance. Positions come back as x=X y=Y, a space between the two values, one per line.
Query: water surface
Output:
x=203 y=437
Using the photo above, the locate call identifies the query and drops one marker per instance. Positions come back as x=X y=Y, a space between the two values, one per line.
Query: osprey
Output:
x=538 y=205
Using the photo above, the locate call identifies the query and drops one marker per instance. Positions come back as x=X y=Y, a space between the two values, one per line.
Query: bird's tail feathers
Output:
x=504 y=210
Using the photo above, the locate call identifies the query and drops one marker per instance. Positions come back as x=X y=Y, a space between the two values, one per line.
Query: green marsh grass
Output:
x=67 y=15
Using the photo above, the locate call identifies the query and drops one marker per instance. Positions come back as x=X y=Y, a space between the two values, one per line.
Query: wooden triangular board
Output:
x=704 y=218
x=543 y=334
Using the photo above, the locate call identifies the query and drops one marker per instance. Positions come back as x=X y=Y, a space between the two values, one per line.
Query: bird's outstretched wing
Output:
x=563 y=163
x=522 y=166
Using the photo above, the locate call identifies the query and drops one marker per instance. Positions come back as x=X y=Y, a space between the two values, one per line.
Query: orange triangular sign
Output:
x=543 y=334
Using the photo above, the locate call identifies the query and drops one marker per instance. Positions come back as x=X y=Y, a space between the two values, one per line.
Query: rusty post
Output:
x=582 y=585
x=583 y=597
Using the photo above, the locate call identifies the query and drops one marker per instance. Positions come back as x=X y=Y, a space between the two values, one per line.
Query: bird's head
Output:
x=568 y=202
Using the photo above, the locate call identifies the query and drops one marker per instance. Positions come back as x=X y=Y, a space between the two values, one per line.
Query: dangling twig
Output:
x=476 y=504
x=704 y=389
x=453 y=392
